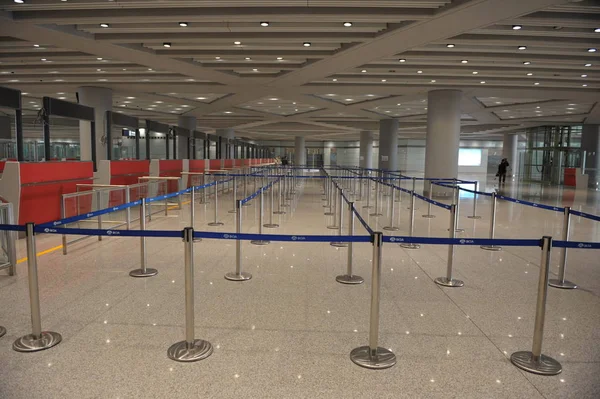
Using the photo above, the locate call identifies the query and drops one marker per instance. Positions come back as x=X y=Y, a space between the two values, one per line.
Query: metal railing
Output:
x=8 y=253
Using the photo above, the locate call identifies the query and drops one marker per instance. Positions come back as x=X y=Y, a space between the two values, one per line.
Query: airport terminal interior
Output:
x=299 y=199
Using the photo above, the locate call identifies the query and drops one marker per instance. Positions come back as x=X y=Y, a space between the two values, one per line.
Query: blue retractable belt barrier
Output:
x=464 y=241
x=110 y=233
x=277 y=237
x=576 y=244
x=441 y=205
x=533 y=204
x=585 y=215
x=362 y=221
x=475 y=192
x=11 y=227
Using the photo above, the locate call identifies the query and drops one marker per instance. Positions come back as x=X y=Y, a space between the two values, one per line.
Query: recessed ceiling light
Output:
x=150 y=69
x=592 y=50
x=588 y=65
x=183 y=24
x=584 y=76
x=217 y=58
x=273 y=99
x=571 y=109
x=335 y=80
x=255 y=70
x=475 y=72
x=584 y=85
x=190 y=80
x=433 y=81
x=237 y=42
x=248 y=59
x=536 y=83
x=383 y=80
x=526 y=62
x=464 y=61
x=529 y=74
x=597 y=30
x=279 y=58
x=36 y=45
x=227 y=112
x=347 y=24
x=103 y=25
x=522 y=47
x=167 y=45
x=368 y=95
x=364 y=70
x=306 y=44
x=401 y=60
x=419 y=71
x=200 y=98
x=130 y=98
x=482 y=82
x=517 y=27
x=348 y=99
x=43 y=59
x=264 y=23
x=450 y=45
x=158 y=102
x=19 y=1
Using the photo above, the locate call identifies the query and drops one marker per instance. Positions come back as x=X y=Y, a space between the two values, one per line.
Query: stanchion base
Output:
x=544 y=365
x=367 y=206
x=279 y=213
x=271 y=225
x=474 y=217
x=348 y=279
x=2 y=331
x=376 y=214
x=149 y=272
x=233 y=276
x=391 y=228
x=260 y=242
x=458 y=230
x=448 y=283
x=338 y=244
x=215 y=224
x=184 y=352
x=333 y=227
x=202 y=202
x=383 y=358
x=428 y=216
x=328 y=214
x=232 y=211
x=566 y=285
x=29 y=343
x=197 y=239
x=491 y=247
x=246 y=204
x=410 y=246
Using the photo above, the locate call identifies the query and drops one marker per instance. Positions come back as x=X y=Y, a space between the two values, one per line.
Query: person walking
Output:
x=502 y=168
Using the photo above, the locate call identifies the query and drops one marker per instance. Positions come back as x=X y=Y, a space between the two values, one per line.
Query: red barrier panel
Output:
x=127 y=172
x=2 y=164
x=44 y=183
x=214 y=164
x=170 y=168
x=228 y=163
x=237 y=162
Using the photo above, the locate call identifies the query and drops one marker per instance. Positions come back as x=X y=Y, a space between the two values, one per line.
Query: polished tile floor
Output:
x=288 y=332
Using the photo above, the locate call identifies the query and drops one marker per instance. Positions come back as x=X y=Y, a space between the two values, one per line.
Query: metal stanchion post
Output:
x=350 y=277
x=414 y=185
x=143 y=271
x=377 y=198
x=448 y=281
x=260 y=221
x=216 y=222
x=99 y=206
x=246 y=187
x=457 y=203
x=373 y=356
x=429 y=215
x=361 y=184
x=492 y=226
x=234 y=194
x=411 y=224
x=474 y=216
x=128 y=210
x=332 y=199
x=391 y=227
x=271 y=224
x=38 y=340
x=333 y=213
x=368 y=206
x=534 y=361
x=193 y=207
x=191 y=349
x=280 y=195
x=238 y=275
x=340 y=220
x=560 y=282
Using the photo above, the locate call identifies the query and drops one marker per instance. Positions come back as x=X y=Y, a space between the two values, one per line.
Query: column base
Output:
x=233 y=276
x=448 y=283
x=149 y=272
x=544 y=365
x=349 y=279
x=382 y=359
x=30 y=343
x=564 y=284
x=183 y=351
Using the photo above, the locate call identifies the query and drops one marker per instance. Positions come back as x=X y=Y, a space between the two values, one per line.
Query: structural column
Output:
x=590 y=146
x=100 y=99
x=230 y=135
x=510 y=152
x=388 y=144
x=189 y=123
x=300 y=151
x=443 y=137
x=366 y=150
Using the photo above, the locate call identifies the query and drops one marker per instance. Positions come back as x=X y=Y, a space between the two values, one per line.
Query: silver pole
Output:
x=260 y=220
x=377 y=196
x=333 y=225
x=429 y=215
x=457 y=202
x=191 y=349
x=411 y=225
x=475 y=189
x=448 y=281
x=128 y=210
x=368 y=206
x=280 y=199
x=492 y=226
x=373 y=356
x=391 y=227
x=38 y=339
x=216 y=222
x=271 y=225
x=560 y=282
x=340 y=213
x=143 y=271
x=350 y=277
x=192 y=207
x=234 y=197
x=534 y=361
x=238 y=275
x=361 y=184
x=98 y=201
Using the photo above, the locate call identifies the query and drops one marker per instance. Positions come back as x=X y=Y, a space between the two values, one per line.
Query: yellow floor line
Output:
x=60 y=246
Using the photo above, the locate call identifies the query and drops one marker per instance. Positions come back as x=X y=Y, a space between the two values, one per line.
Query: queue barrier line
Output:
x=421 y=197
x=586 y=215
x=257 y=193
x=355 y=211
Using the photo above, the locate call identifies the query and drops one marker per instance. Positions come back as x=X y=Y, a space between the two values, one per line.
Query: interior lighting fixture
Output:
x=104 y=25
x=19 y=1
x=347 y=24
x=584 y=76
x=99 y=58
x=167 y=45
x=597 y=30
x=584 y=85
x=279 y=58
x=433 y=81
x=237 y=43
x=384 y=80
x=592 y=50
x=517 y=27
x=183 y=24
x=364 y=70
x=475 y=72
x=529 y=74
x=536 y=83
x=522 y=47
x=264 y=23
x=44 y=59
x=348 y=99
x=450 y=45
x=526 y=62
x=464 y=61
x=401 y=60
x=482 y=82
x=255 y=70
x=306 y=44
x=248 y=59
x=335 y=80
x=36 y=45
x=588 y=65
x=419 y=71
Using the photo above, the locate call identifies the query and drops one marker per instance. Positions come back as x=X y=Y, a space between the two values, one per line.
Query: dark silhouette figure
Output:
x=502 y=168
